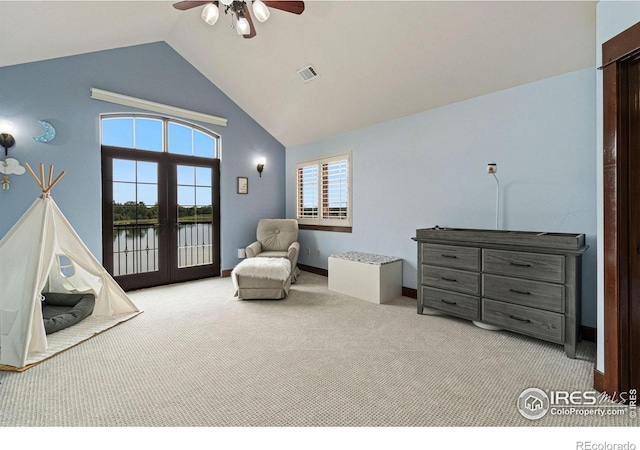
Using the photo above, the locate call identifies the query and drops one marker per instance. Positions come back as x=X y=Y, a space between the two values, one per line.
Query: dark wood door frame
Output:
x=166 y=272
x=615 y=56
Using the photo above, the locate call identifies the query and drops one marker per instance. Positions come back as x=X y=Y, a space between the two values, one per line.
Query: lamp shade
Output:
x=243 y=26
x=6 y=127
x=210 y=14
x=261 y=11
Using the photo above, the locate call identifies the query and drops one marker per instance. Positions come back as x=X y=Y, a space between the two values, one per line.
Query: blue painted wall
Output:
x=57 y=91
x=430 y=169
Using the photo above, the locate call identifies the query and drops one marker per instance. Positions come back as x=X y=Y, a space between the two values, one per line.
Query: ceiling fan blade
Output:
x=252 y=29
x=292 y=7
x=183 y=6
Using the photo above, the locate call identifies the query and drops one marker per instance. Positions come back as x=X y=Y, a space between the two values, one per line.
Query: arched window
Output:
x=158 y=134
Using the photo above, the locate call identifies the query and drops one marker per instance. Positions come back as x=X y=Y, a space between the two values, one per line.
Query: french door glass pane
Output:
x=135 y=217
x=124 y=170
x=194 y=216
x=186 y=176
x=203 y=197
x=203 y=176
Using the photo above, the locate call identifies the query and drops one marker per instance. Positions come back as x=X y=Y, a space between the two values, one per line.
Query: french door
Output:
x=160 y=216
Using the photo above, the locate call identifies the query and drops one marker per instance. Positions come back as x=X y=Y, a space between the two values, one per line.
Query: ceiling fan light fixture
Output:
x=243 y=26
x=261 y=11
x=243 y=13
x=210 y=14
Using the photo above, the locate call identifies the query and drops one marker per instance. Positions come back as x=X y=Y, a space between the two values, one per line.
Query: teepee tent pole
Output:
x=54 y=182
x=33 y=175
x=45 y=188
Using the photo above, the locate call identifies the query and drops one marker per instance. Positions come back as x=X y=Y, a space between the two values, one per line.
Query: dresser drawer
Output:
x=535 y=294
x=459 y=305
x=521 y=319
x=532 y=266
x=466 y=258
x=451 y=279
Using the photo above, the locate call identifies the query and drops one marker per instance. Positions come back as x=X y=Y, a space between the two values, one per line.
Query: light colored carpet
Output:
x=198 y=357
x=68 y=337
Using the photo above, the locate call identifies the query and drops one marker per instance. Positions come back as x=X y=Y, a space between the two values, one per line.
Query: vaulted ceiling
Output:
x=377 y=60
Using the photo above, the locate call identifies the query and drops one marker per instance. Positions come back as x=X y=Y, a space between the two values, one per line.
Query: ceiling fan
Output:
x=240 y=9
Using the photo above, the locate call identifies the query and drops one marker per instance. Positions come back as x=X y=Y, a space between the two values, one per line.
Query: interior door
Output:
x=631 y=326
x=621 y=190
x=160 y=217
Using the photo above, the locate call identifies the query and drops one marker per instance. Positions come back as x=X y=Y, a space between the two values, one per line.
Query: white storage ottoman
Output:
x=375 y=278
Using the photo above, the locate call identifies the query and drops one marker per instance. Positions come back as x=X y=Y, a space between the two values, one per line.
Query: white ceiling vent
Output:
x=308 y=73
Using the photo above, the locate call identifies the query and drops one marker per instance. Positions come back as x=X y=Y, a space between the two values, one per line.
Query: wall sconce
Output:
x=9 y=166
x=6 y=139
x=261 y=164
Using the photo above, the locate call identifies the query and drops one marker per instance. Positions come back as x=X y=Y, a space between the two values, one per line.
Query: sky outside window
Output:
x=147 y=133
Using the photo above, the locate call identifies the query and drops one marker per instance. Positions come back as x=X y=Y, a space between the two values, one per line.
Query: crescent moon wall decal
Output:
x=49 y=132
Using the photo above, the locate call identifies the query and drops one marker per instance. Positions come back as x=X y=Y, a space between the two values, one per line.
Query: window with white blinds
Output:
x=307 y=192
x=323 y=191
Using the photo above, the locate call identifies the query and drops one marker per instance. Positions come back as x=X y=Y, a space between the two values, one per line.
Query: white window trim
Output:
x=319 y=221
x=125 y=100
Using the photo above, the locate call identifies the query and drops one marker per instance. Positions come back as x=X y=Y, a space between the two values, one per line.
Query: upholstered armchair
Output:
x=277 y=238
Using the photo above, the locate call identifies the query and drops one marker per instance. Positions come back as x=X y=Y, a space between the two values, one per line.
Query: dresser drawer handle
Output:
x=449 y=303
x=519 y=319
x=519 y=265
x=520 y=292
x=453 y=280
x=449 y=256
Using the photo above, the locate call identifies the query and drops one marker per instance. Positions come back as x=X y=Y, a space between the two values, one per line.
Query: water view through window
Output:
x=135 y=216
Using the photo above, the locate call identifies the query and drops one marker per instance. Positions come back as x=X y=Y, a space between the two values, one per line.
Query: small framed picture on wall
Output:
x=243 y=185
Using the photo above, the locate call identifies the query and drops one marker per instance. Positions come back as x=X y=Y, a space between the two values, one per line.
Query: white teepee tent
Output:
x=30 y=261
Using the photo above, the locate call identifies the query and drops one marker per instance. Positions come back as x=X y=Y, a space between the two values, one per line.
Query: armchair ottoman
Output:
x=277 y=238
x=257 y=278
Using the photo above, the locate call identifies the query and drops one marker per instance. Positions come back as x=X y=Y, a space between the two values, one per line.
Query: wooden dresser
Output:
x=525 y=282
